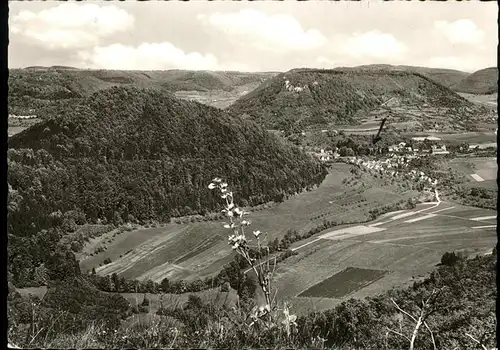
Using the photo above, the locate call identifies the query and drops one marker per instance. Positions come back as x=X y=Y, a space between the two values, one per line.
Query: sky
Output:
x=252 y=36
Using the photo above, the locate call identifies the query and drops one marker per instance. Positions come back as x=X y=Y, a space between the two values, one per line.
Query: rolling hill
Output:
x=144 y=153
x=481 y=82
x=304 y=98
x=446 y=77
x=37 y=89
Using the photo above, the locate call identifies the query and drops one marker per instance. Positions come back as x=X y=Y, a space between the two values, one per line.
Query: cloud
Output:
x=463 y=31
x=70 y=25
x=372 y=44
x=267 y=32
x=148 y=56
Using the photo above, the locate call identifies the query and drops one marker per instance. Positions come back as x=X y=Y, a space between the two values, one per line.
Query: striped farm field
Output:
x=405 y=244
x=469 y=137
x=200 y=249
x=343 y=283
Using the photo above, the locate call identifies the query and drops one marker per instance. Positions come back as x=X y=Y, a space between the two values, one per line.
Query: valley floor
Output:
x=386 y=253
x=402 y=246
x=200 y=249
x=367 y=257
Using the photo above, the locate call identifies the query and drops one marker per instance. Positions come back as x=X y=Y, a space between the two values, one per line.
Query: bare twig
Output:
x=403 y=311
x=477 y=341
x=424 y=314
x=432 y=335
x=415 y=330
x=400 y=334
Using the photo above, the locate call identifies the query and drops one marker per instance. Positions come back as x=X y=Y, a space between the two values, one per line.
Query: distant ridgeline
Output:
x=484 y=81
x=44 y=89
x=303 y=98
x=139 y=155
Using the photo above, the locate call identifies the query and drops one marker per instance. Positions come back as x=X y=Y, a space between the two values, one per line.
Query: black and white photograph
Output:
x=252 y=175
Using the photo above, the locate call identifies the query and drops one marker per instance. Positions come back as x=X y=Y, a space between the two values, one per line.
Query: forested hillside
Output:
x=135 y=155
x=302 y=98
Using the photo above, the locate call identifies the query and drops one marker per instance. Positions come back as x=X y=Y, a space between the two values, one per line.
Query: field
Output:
x=343 y=283
x=200 y=249
x=12 y=130
x=469 y=137
x=364 y=127
x=489 y=100
x=406 y=245
x=480 y=170
x=16 y=125
x=217 y=98
x=156 y=251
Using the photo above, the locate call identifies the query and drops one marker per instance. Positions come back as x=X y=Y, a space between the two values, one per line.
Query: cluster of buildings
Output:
x=326 y=156
x=392 y=166
x=403 y=148
x=396 y=167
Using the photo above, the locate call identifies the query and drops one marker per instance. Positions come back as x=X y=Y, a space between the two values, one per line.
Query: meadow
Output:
x=217 y=98
x=469 y=137
x=12 y=130
x=489 y=100
x=199 y=249
x=485 y=167
x=16 y=125
x=407 y=245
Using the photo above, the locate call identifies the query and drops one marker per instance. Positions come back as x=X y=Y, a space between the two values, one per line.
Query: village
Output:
x=395 y=150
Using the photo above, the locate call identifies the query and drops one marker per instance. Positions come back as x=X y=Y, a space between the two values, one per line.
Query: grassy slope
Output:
x=214 y=296
x=404 y=250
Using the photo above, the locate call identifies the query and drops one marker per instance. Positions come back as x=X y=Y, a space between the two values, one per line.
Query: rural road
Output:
x=433 y=206
x=431 y=211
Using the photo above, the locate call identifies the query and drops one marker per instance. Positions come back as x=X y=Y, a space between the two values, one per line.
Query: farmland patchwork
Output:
x=343 y=283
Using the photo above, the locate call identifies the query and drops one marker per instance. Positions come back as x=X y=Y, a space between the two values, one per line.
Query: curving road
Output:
x=434 y=205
